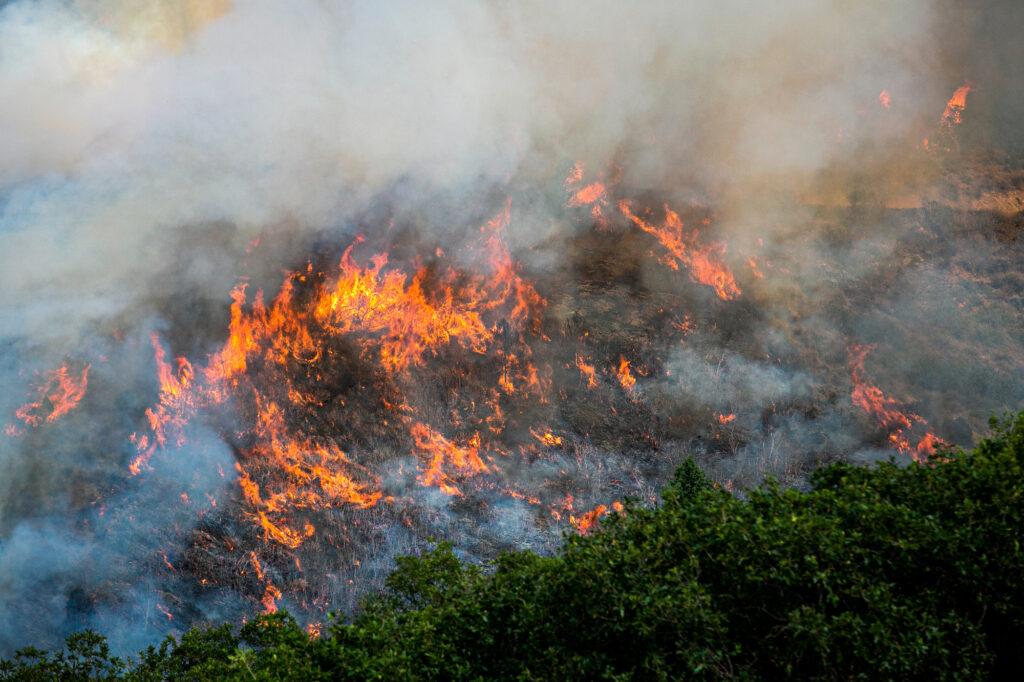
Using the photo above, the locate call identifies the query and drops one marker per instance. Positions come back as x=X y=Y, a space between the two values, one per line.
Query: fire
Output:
x=884 y=99
x=594 y=194
x=585 y=523
x=724 y=419
x=587 y=371
x=57 y=395
x=257 y=566
x=177 y=404
x=440 y=452
x=624 y=375
x=684 y=248
x=397 y=321
x=345 y=356
x=546 y=438
x=953 y=114
x=270 y=596
x=318 y=476
x=703 y=262
x=888 y=412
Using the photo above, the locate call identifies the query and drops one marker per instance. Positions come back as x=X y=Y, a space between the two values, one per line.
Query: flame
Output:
x=594 y=194
x=884 y=99
x=575 y=175
x=546 y=438
x=587 y=371
x=724 y=419
x=953 y=113
x=624 y=375
x=703 y=262
x=440 y=452
x=397 y=320
x=270 y=596
x=590 y=194
x=257 y=566
x=176 y=405
x=58 y=394
x=888 y=412
x=318 y=475
x=585 y=523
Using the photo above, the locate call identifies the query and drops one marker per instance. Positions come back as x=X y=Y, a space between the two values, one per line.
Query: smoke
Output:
x=147 y=146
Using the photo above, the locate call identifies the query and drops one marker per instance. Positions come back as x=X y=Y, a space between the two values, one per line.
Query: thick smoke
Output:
x=147 y=145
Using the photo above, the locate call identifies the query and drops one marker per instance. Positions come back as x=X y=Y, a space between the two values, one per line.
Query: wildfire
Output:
x=176 y=405
x=58 y=394
x=270 y=596
x=725 y=419
x=426 y=356
x=884 y=99
x=585 y=523
x=594 y=194
x=587 y=371
x=624 y=374
x=440 y=451
x=703 y=261
x=546 y=438
x=888 y=412
x=953 y=114
x=397 y=321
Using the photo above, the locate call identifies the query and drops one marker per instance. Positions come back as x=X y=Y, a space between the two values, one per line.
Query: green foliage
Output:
x=883 y=572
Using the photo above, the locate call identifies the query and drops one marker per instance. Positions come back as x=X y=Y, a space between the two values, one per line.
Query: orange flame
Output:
x=884 y=99
x=953 y=114
x=58 y=394
x=624 y=375
x=270 y=596
x=587 y=371
x=441 y=451
x=546 y=437
x=395 y=319
x=703 y=262
x=594 y=194
x=888 y=412
x=585 y=523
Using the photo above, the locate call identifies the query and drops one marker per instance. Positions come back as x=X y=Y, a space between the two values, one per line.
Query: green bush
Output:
x=881 y=572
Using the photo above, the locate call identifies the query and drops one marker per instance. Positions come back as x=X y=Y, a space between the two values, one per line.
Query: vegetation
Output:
x=881 y=572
